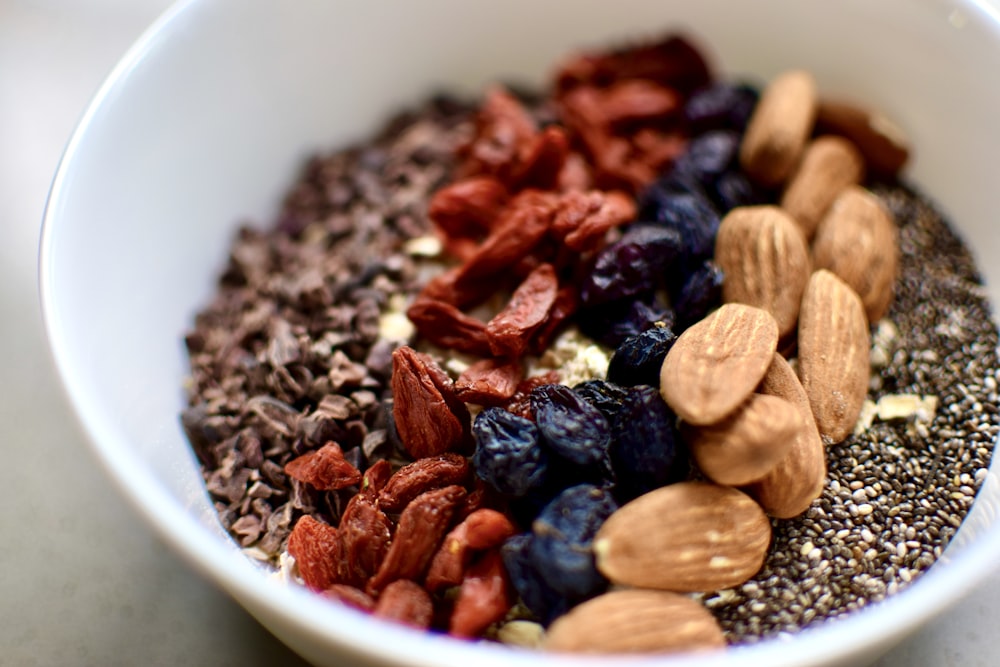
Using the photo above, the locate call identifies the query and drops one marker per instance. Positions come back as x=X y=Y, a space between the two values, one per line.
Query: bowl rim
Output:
x=870 y=627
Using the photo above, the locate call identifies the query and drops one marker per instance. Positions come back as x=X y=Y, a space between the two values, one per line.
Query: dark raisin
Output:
x=699 y=295
x=733 y=189
x=570 y=426
x=563 y=539
x=638 y=359
x=611 y=323
x=707 y=157
x=720 y=105
x=646 y=449
x=690 y=213
x=633 y=264
x=607 y=397
x=536 y=594
x=508 y=454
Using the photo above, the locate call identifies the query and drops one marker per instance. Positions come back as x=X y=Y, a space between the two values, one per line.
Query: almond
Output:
x=779 y=127
x=716 y=364
x=833 y=354
x=828 y=165
x=685 y=537
x=765 y=259
x=798 y=479
x=858 y=241
x=882 y=143
x=636 y=621
x=747 y=445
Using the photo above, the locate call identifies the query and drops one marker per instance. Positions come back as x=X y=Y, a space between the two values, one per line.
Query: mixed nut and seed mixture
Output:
x=651 y=362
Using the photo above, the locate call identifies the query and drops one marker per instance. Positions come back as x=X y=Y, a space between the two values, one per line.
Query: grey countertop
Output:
x=83 y=581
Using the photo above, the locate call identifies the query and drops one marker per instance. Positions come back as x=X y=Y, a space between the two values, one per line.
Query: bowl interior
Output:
x=205 y=122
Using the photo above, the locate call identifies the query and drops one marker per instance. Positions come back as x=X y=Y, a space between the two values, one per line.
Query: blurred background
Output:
x=83 y=581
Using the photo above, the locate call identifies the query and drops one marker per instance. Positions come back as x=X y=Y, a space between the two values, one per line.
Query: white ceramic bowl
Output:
x=206 y=119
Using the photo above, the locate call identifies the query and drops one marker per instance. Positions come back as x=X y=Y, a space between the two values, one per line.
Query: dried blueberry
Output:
x=690 y=213
x=536 y=594
x=699 y=295
x=563 y=538
x=508 y=455
x=633 y=264
x=646 y=449
x=638 y=359
x=613 y=322
x=733 y=189
x=707 y=157
x=720 y=105
x=570 y=426
x=607 y=397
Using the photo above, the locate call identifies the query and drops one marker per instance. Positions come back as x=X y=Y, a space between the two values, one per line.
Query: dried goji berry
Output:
x=405 y=602
x=489 y=381
x=541 y=160
x=519 y=404
x=483 y=598
x=562 y=309
x=351 y=596
x=430 y=472
x=467 y=208
x=511 y=329
x=613 y=209
x=316 y=549
x=503 y=126
x=446 y=326
x=638 y=100
x=325 y=468
x=375 y=478
x=482 y=529
x=421 y=527
x=423 y=418
x=364 y=536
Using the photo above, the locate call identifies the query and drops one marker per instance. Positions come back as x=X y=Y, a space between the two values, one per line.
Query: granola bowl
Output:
x=205 y=121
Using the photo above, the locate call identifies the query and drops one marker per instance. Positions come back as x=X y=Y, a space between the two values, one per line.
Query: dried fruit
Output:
x=720 y=105
x=833 y=354
x=467 y=208
x=829 y=164
x=316 y=551
x=483 y=597
x=351 y=596
x=779 y=127
x=764 y=257
x=798 y=479
x=510 y=331
x=716 y=364
x=430 y=472
x=421 y=527
x=425 y=422
x=482 y=529
x=532 y=587
x=363 y=538
x=636 y=621
x=698 y=295
x=489 y=381
x=748 y=444
x=406 y=602
x=325 y=469
x=446 y=326
x=686 y=537
x=646 y=448
x=570 y=427
x=639 y=358
x=634 y=264
x=858 y=241
x=508 y=454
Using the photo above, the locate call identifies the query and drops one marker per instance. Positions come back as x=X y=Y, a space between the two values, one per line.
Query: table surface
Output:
x=88 y=583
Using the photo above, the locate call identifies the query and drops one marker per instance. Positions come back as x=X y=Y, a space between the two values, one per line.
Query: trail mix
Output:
x=651 y=346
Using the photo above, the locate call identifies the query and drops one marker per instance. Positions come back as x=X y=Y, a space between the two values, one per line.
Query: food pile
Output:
x=538 y=369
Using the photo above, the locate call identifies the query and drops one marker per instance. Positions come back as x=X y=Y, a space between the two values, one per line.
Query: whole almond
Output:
x=858 y=241
x=798 y=479
x=779 y=127
x=833 y=354
x=636 y=621
x=748 y=444
x=685 y=537
x=715 y=364
x=765 y=260
x=882 y=143
x=829 y=164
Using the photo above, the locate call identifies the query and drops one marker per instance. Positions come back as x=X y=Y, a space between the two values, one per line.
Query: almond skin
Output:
x=779 y=127
x=858 y=241
x=747 y=445
x=885 y=147
x=829 y=165
x=833 y=354
x=798 y=479
x=636 y=621
x=715 y=364
x=765 y=259
x=685 y=537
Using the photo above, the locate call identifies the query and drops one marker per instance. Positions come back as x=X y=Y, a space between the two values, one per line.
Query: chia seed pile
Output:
x=295 y=351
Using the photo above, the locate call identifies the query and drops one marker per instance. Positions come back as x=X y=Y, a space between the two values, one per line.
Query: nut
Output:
x=829 y=165
x=685 y=537
x=747 y=445
x=636 y=621
x=798 y=479
x=833 y=354
x=716 y=364
x=779 y=127
x=883 y=144
x=858 y=241
x=764 y=257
